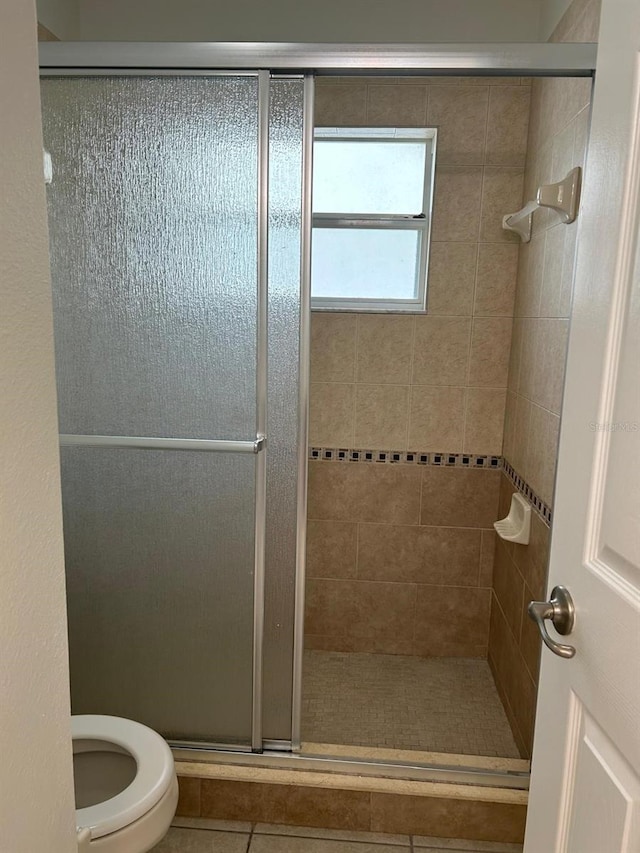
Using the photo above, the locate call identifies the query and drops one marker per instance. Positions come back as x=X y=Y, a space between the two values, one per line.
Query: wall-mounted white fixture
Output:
x=516 y=527
x=48 y=166
x=562 y=197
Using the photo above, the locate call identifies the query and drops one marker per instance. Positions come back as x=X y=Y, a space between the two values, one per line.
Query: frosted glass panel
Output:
x=153 y=217
x=368 y=177
x=355 y=263
x=159 y=558
x=285 y=220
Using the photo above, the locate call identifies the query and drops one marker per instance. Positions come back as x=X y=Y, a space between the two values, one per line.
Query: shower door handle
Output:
x=560 y=611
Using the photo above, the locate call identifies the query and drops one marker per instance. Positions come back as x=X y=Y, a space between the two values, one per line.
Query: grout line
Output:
x=414 y=335
x=485 y=146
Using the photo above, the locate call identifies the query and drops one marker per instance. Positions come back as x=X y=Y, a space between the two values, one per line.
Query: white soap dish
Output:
x=516 y=527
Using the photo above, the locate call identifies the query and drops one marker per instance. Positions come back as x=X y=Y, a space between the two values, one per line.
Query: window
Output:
x=372 y=192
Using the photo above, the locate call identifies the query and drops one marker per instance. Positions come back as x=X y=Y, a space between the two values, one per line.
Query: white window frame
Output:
x=420 y=223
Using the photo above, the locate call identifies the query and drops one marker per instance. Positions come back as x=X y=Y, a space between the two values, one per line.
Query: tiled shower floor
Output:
x=397 y=702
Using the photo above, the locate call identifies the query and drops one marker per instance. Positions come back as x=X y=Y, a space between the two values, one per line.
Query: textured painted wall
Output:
x=36 y=790
x=290 y=20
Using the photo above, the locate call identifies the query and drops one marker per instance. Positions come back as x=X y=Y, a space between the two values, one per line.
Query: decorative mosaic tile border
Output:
x=525 y=489
x=411 y=457
x=452 y=460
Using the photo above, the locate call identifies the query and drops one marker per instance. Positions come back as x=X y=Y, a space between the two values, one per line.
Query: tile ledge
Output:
x=340 y=781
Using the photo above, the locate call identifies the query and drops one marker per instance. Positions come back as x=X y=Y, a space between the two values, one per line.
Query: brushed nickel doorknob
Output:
x=559 y=610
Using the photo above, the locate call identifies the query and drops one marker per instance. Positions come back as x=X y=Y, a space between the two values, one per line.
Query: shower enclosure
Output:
x=175 y=208
x=180 y=222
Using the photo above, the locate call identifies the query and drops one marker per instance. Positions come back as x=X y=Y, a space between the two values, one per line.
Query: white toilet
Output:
x=125 y=785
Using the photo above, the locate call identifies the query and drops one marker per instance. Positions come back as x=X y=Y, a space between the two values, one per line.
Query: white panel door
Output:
x=585 y=792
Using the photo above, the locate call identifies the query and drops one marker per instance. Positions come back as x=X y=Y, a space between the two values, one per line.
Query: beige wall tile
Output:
x=504 y=656
x=381 y=645
x=485 y=81
x=457 y=197
x=542 y=452
x=331 y=549
x=457 y=818
x=456 y=497
x=509 y=426
x=490 y=349
x=333 y=347
x=436 y=418
x=395 y=105
x=507 y=489
x=484 y=421
x=578 y=95
x=532 y=560
x=513 y=676
x=382 y=416
x=530 y=640
x=534 y=457
x=551 y=297
x=562 y=156
x=329 y=808
x=496 y=280
x=508 y=125
x=432 y=555
x=520 y=435
x=331 y=414
x=460 y=114
x=385 y=344
x=452 y=269
x=568 y=264
x=452 y=621
x=581 y=140
x=340 y=104
x=530 y=273
x=551 y=458
x=501 y=193
x=515 y=356
x=360 y=609
x=364 y=492
x=553 y=341
x=530 y=359
x=487 y=554
x=188 y=797
x=330 y=606
x=522 y=697
x=509 y=588
x=441 y=350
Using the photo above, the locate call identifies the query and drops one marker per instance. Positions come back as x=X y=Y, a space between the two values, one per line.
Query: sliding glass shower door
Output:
x=158 y=231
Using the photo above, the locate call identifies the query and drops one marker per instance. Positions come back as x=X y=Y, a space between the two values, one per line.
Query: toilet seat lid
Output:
x=153 y=778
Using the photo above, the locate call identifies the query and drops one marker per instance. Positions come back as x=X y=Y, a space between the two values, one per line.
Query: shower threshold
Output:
x=480 y=771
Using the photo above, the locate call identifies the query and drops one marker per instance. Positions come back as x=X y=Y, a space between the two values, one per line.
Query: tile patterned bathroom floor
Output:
x=401 y=702
x=197 y=835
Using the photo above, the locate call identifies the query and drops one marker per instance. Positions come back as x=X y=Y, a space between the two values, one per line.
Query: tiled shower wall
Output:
x=558 y=135
x=399 y=556
x=437 y=381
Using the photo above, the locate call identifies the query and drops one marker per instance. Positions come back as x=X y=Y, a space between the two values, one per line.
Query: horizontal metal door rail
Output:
x=142 y=443
x=557 y=60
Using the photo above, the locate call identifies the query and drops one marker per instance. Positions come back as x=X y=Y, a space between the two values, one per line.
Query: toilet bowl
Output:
x=125 y=785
